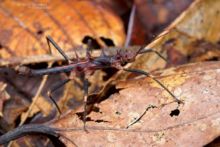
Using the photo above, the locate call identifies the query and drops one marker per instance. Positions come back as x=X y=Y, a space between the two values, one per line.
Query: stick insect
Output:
x=86 y=67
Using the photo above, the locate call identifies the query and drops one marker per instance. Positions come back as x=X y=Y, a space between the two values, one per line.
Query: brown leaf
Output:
x=72 y=96
x=24 y=25
x=198 y=121
x=192 y=25
x=3 y=96
x=204 y=51
x=160 y=12
x=41 y=105
x=156 y=15
x=196 y=125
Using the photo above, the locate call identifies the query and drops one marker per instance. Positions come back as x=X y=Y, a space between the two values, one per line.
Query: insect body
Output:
x=88 y=64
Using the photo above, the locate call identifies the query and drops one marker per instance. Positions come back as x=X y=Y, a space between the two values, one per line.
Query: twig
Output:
x=139 y=118
x=53 y=58
x=130 y=26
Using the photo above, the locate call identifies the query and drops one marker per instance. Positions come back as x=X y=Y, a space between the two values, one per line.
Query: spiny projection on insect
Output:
x=86 y=67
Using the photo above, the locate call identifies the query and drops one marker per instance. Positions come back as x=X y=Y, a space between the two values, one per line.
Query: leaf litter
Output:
x=154 y=105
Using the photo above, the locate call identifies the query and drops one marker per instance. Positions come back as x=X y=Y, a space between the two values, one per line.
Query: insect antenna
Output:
x=88 y=49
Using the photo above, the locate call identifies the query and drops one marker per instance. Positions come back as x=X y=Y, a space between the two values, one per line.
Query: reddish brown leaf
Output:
x=196 y=125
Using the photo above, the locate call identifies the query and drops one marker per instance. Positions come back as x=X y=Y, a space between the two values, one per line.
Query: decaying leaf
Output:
x=159 y=13
x=71 y=98
x=41 y=105
x=194 y=123
x=204 y=51
x=25 y=24
x=198 y=22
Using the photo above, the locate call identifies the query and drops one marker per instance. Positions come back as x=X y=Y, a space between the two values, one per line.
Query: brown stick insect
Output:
x=86 y=67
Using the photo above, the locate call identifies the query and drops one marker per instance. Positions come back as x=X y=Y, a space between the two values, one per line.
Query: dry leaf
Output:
x=41 y=105
x=159 y=121
x=3 y=96
x=72 y=96
x=195 y=84
x=196 y=23
x=24 y=25
x=156 y=15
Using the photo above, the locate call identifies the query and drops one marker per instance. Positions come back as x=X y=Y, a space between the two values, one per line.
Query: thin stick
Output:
x=130 y=26
x=139 y=118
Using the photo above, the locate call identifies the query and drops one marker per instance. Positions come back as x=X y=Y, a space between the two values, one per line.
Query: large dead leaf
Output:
x=196 y=125
x=160 y=122
x=24 y=25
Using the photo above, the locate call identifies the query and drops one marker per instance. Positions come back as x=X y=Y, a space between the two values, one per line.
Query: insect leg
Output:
x=88 y=49
x=157 y=81
x=50 y=40
x=57 y=86
x=23 y=70
x=86 y=91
